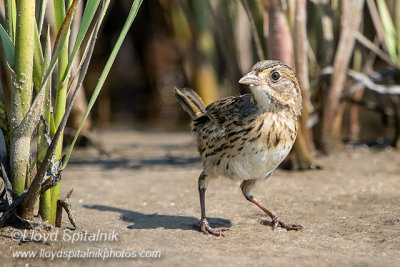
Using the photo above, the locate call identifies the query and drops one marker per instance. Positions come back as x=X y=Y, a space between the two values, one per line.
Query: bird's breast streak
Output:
x=254 y=159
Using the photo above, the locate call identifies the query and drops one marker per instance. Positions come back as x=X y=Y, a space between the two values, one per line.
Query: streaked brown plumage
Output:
x=245 y=138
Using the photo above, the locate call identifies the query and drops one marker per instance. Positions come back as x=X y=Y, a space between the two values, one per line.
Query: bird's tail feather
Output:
x=191 y=102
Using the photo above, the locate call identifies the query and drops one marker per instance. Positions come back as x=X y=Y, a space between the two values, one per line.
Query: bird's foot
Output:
x=206 y=229
x=276 y=221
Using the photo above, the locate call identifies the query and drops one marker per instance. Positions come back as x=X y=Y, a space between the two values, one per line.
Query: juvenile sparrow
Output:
x=245 y=138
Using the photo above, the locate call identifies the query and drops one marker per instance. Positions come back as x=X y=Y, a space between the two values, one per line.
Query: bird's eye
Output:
x=275 y=75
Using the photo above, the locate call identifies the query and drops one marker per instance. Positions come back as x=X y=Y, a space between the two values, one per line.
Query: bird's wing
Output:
x=220 y=111
x=232 y=111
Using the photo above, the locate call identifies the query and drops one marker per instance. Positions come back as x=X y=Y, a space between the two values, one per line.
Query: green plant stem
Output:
x=21 y=95
x=397 y=27
x=61 y=98
x=42 y=11
x=45 y=198
x=10 y=14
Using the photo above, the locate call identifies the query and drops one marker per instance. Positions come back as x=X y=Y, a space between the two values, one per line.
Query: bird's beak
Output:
x=251 y=79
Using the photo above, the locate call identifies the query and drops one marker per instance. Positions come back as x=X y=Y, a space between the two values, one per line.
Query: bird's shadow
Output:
x=151 y=221
x=157 y=162
x=170 y=157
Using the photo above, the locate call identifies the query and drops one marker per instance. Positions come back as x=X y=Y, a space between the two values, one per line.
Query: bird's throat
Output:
x=261 y=96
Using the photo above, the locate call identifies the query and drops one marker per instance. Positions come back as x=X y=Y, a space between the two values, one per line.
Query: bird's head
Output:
x=273 y=83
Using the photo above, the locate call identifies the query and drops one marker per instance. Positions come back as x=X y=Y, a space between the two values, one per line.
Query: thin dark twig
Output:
x=3 y=206
x=11 y=210
x=3 y=146
x=63 y=203
x=7 y=184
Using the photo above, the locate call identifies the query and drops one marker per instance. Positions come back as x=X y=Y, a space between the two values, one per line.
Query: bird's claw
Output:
x=206 y=229
x=277 y=222
x=294 y=227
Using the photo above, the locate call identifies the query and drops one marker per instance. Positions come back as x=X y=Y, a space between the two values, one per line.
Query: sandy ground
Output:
x=143 y=198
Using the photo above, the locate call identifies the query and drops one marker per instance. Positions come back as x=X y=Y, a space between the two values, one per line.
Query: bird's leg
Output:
x=204 y=225
x=247 y=191
x=275 y=219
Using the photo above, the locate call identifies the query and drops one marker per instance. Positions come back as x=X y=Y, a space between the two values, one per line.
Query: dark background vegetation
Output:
x=346 y=54
x=208 y=45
